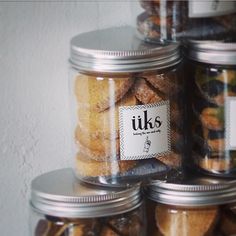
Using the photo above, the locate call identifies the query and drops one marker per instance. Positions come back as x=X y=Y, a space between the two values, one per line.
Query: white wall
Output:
x=34 y=115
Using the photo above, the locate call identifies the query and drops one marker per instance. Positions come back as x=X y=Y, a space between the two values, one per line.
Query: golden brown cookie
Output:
x=215 y=164
x=172 y=159
x=88 y=167
x=144 y=93
x=104 y=124
x=97 y=148
x=167 y=84
x=100 y=93
x=181 y=221
x=212 y=118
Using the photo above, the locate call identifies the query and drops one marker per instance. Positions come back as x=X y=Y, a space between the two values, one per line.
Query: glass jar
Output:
x=159 y=20
x=213 y=72
x=62 y=206
x=128 y=107
x=195 y=206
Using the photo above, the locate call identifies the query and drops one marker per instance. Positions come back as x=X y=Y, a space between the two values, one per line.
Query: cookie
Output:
x=215 y=164
x=216 y=91
x=150 y=26
x=99 y=93
x=105 y=124
x=88 y=167
x=153 y=7
x=167 y=84
x=215 y=140
x=154 y=27
x=192 y=222
x=212 y=118
x=144 y=93
x=97 y=148
x=172 y=159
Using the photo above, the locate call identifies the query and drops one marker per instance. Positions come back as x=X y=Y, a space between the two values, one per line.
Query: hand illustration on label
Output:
x=147 y=145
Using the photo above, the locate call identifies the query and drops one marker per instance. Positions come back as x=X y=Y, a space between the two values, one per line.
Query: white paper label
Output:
x=211 y=8
x=230 y=114
x=144 y=131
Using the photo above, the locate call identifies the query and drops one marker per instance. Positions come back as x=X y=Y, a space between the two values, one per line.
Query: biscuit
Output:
x=212 y=118
x=105 y=124
x=215 y=164
x=214 y=140
x=194 y=222
x=87 y=167
x=98 y=149
x=172 y=159
x=144 y=93
x=167 y=84
x=100 y=93
x=151 y=26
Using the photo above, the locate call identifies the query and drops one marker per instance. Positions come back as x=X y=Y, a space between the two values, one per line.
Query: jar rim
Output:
x=193 y=191
x=211 y=52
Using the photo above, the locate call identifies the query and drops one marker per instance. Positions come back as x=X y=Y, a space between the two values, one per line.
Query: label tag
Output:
x=144 y=131
x=210 y=8
x=230 y=114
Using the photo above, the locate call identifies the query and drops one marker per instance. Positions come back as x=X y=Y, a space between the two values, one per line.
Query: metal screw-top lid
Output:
x=212 y=52
x=59 y=193
x=193 y=191
x=119 y=50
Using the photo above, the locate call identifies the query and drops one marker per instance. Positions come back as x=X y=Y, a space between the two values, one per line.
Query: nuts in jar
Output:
x=128 y=105
x=65 y=207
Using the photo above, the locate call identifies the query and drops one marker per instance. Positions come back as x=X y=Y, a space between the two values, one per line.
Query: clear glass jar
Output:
x=128 y=107
x=61 y=206
x=194 y=207
x=213 y=72
x=159 y=20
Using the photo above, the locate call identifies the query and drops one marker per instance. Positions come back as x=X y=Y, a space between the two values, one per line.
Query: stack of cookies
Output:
x=211 y=90
x=97 y=131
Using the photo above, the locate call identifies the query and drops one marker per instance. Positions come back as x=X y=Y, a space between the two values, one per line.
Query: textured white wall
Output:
x=34 y=133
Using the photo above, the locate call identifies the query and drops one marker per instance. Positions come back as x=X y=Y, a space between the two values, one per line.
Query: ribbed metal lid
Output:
x=119 y=50
x=212 y=52
x=193 y=191
x=59 y=193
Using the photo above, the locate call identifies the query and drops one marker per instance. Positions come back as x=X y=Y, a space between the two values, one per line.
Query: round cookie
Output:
x=100 y=93
x=97 y=148
x=172 y=159
x=144 y=93
x=212 y=118
x=215 y=164
x=167 y=84
x=150 y=25
x=104 y=124
x=197 y=221
x=88 y=167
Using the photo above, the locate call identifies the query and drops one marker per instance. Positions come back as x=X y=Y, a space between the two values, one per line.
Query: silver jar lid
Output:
x=193 y=191
x=212 y=52
x=59 y=193
x=119 y=50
